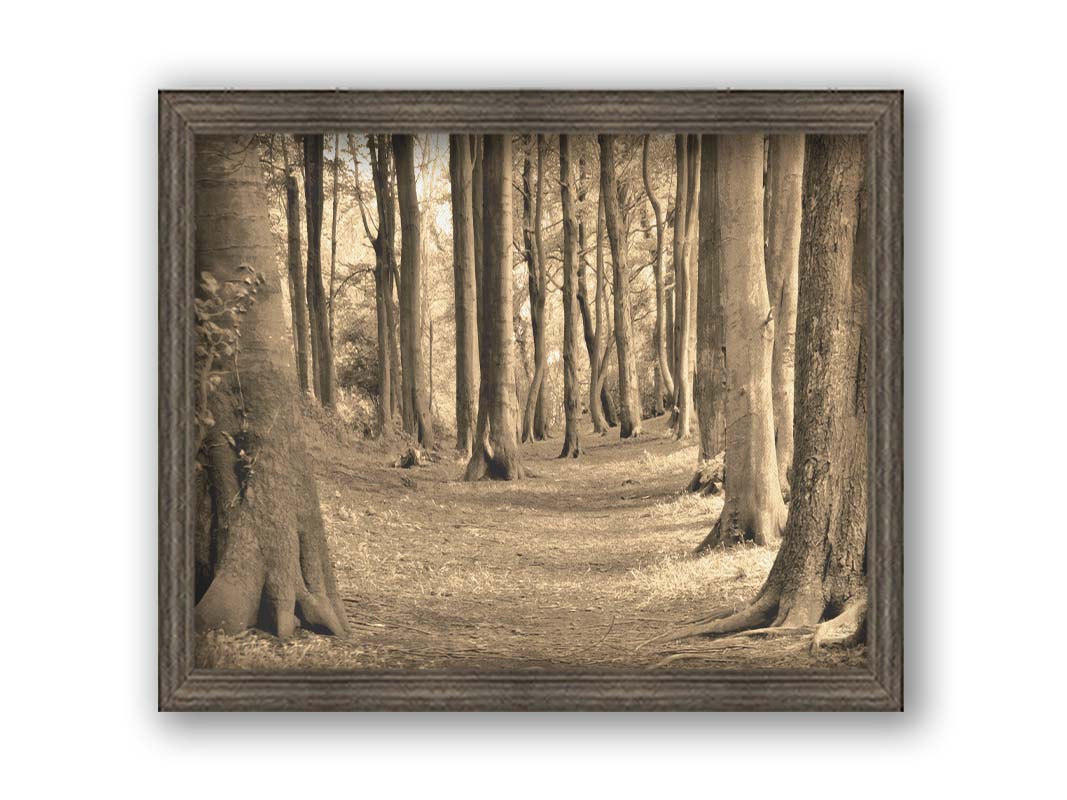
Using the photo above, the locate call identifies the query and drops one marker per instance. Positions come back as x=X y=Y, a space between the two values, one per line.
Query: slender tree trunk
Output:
x=596 y=412
x=710 y=384
x=663 y=370
x=421 y=426
x=496 y=451
x=297 y=293
x=692 y=238
x=267 y=562
x=818 y=580
x=321 y=349
x=754 y=510
x=383 y=241
x=572 y=403
x=607 y=404
x=467 y=377
x=785 y=169
x=629 y=399
x=533 y=424
x=333 y=234
x=683 y=389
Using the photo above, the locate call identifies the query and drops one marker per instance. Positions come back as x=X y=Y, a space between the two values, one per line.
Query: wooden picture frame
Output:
x=876 y=115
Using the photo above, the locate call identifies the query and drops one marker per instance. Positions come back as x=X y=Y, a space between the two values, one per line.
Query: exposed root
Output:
x=848 y=628
x=760 y=612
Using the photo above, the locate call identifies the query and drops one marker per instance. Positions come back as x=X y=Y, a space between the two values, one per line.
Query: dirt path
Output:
x=571 y=569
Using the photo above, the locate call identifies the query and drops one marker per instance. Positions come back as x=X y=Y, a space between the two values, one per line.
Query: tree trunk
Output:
x=710 y=384
x=333 y=237
x=785 y=169
x=818 y=580
x=268 y=563
x=691 y=240
x=596 y=411
x=496 y=452
x=533 y=419
x=754 y=510
x=321 y=348
x=629 y=399
x=417 y=412
x=663 y=370
x=384 y=271
x=297 y=293
x=572 y=403
x=467 y=378
x=683 y=389
x=607 y=404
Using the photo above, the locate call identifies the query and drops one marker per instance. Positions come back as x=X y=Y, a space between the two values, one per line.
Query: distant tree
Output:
x=261 y=554
x=710 y=384
x=572 y=403
x=663 y=370
x=754 y=510
x=683 y=391
x=785 y=169
x=629 y=398
x=466 y=305
x=818 y=580
x=534 y=425
x=297 y=293
x=321 y=346
x=496 y=451
x=415 y=401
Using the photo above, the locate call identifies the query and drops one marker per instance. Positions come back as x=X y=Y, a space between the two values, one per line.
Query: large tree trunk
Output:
x=818 y=581
x=666 y=382
x=496 y=451
x=333 y=241
x=266 y=561
x=572 y=402
x=603 y=331
x=683 y=389
x=533 y=419
x=417 y=420
x=297 y=293
x=710 y=385
x=321 y=347
x=754 y=510
x=785 y=169
x=691 y=241
x=629 y=399
x=459 y=165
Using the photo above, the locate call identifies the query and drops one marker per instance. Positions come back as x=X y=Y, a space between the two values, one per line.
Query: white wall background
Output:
x=985 y=441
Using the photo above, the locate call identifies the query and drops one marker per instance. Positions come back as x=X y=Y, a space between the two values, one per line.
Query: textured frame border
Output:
x=876 y=115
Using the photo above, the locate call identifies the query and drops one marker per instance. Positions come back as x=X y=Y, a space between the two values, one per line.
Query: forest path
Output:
x=570 y=569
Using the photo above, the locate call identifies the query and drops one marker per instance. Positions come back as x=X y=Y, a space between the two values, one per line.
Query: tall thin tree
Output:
x=466 y=305
x=321 y=347
x=415 y=403
x=663 y=370
x=572 y=403
x=629 y=398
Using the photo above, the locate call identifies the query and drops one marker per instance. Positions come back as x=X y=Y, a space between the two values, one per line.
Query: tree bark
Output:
x=629 y=399
x=496 y=451
x=596 y=412
x=683 y=389
x=607 y=404
x=267 y=560
x=818 y=580
x=710 y=385
x=467 y=369
x=572 y=403
x=333 y=239
x=754 y=510
x=416 y=404
x=785 y=169
x=321 y=348
x=533 y=419
x=663 y=370
x=297 y=293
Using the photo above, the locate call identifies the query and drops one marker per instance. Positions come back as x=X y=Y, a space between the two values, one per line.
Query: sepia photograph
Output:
x=531 y=402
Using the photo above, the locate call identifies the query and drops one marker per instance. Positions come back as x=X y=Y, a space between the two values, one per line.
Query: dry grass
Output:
x=571 y=569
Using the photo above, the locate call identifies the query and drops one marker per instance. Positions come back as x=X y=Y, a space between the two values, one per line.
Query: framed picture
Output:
x=530 y=401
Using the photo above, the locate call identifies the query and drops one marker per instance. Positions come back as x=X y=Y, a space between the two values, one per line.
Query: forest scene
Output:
x=531 y=402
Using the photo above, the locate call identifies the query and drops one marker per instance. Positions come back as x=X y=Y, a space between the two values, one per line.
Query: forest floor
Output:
x=569 y=570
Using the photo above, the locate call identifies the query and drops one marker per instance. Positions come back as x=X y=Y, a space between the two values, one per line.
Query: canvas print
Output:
x=533 y=402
